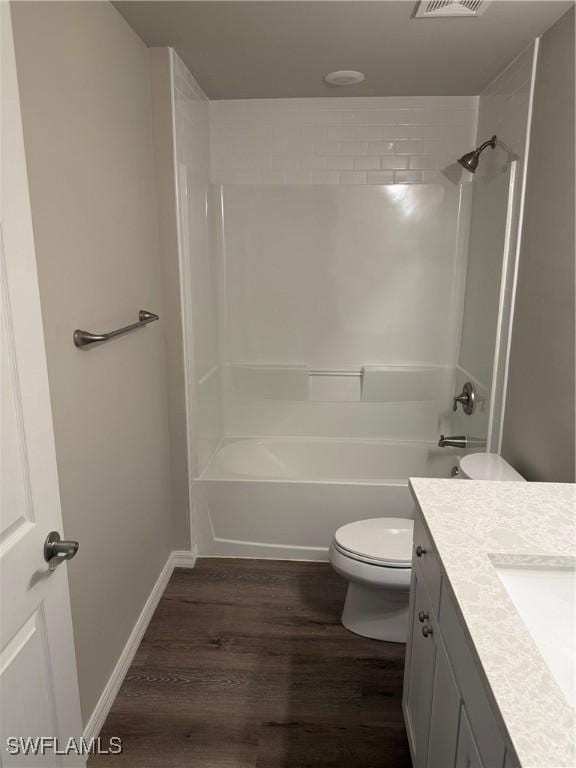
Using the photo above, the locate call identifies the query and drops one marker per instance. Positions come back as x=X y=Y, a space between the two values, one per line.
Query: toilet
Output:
x=375 y=556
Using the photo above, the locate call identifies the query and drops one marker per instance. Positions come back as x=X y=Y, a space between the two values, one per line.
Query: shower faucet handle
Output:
x=466 y=398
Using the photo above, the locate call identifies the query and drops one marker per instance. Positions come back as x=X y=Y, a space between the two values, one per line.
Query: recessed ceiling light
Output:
x=345 y=77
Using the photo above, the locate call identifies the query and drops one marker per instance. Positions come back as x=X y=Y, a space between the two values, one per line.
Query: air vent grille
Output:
x=435 y=9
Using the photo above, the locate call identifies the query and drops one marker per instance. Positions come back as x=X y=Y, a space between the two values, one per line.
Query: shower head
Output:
x=470 y=159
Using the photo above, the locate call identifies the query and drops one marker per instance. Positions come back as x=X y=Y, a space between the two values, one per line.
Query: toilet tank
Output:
x=488 y=466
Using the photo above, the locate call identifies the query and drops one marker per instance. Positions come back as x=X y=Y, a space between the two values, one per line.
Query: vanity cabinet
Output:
x=445 y=712
x=419 y=682
x=467 y=755
x=449 y=718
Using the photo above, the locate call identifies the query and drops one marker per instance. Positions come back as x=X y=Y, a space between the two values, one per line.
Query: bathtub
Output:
x=285 y=497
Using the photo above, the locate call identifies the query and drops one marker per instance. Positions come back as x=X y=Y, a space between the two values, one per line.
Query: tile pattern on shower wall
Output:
x=503 y=110
x=388 y=140
x=193 y=179
x=192 y=123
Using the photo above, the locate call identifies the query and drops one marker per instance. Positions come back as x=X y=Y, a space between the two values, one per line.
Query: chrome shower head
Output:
x=470 y=160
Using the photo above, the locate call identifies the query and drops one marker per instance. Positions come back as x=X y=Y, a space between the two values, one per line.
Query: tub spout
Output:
x=460 y=441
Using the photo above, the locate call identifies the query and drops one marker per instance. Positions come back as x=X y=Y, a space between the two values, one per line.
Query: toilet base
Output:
x=376 y=613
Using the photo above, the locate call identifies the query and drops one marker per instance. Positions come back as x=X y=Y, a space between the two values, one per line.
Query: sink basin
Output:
x=544 y=598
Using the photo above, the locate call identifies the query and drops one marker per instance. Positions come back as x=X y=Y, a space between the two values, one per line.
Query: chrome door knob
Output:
x=57 y=550
x=427 y=630
x=423 y=616
x=420 y=551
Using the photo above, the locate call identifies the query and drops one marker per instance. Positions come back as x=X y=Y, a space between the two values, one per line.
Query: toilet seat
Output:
x=383 y=541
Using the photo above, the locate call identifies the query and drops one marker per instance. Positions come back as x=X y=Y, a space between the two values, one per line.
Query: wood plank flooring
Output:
x=245 y=665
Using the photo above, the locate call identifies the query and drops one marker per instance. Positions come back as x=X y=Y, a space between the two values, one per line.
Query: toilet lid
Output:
x=386 y=540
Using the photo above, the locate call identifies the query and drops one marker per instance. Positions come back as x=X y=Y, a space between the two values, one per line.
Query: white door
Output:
x=39 y=687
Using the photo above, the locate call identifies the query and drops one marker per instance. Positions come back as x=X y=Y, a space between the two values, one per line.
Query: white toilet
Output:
x=375 y=556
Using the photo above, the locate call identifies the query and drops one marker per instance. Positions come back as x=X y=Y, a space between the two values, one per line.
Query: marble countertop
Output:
x=475 y=525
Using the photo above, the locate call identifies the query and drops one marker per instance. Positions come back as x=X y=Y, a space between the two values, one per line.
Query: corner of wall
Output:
x=164 y=154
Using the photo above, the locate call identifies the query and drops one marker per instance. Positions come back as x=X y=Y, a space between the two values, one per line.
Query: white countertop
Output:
x=476 y=526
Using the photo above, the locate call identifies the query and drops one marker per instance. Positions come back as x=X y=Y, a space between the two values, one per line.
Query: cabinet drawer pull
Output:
x=423 y=616
x=420 y=551
x=427 y=630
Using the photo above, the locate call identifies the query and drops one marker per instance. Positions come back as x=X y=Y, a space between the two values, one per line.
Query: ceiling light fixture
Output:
x=345 y=77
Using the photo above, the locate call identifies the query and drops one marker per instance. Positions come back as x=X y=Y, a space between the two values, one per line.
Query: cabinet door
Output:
x=467 y=755
x=510 y=761
x=419 y=678
x=445 y=713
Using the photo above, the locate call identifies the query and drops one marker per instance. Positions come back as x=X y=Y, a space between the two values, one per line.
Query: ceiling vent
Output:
x=439 y=9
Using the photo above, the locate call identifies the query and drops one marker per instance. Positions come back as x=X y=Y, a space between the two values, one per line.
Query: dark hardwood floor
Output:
x=245 y=665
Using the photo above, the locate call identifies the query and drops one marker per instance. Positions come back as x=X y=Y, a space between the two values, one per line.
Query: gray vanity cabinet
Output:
x=467 y=755
x=449 y=718
x=431 y=698
x=419 y=680
x=445 y=714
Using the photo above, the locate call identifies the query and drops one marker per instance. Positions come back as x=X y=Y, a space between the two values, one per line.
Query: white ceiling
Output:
x=283 y=48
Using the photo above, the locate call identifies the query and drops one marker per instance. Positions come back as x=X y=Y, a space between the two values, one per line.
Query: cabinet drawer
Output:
x=487 y=734
x=426 y=559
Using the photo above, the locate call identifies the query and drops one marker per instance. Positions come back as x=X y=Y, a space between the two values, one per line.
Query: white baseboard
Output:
x=181 y=558
x=256 y=551
x=176 y=559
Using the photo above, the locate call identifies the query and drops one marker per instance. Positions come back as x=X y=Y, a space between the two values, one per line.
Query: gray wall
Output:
x=86 y=99
x=539 y=419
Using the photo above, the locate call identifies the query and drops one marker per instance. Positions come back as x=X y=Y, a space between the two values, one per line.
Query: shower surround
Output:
x=333 y=243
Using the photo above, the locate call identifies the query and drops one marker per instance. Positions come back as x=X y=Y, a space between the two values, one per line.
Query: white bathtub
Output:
x=285 y=497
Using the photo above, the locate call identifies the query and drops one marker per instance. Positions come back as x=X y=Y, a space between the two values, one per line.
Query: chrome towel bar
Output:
x=86 y=339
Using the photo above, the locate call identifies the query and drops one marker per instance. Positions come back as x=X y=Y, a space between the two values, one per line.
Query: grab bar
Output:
x=86 y=339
